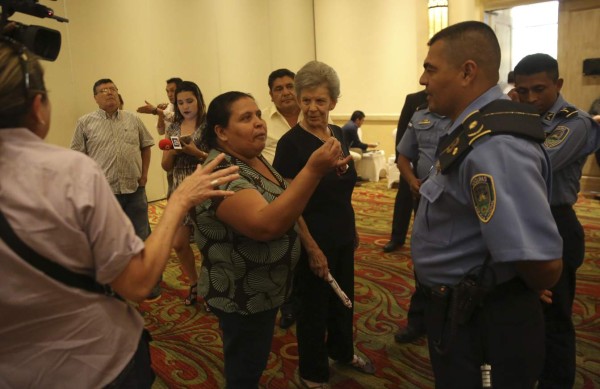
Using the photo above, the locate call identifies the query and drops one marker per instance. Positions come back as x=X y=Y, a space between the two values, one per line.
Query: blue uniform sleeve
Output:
x=570 y=141
x=408 y=145
x=506 y=179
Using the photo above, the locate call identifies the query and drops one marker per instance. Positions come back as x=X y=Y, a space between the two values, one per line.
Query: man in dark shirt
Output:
x=350 y=132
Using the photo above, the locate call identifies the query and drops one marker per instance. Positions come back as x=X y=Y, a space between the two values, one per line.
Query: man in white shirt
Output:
x=164 y=111
x=280 y=116
x=284 y=113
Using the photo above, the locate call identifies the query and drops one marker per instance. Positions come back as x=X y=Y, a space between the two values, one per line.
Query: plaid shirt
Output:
x=115 y=143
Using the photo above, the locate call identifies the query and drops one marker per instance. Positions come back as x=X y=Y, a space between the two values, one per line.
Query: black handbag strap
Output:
x=48 y=267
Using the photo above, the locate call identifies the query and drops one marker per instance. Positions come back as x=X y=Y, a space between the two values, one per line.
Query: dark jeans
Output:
x=138 y=373
x=403 y=207
x=559 y=367
x=324 y=325
x=135 y=206
x=507 y=333
x=246 y=346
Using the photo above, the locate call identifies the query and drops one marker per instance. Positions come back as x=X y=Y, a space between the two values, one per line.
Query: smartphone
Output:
x=176 y=142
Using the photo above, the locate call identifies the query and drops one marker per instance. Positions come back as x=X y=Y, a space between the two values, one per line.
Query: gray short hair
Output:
x=315 y=74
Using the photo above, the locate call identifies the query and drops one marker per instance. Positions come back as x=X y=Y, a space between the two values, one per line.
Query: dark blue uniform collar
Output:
x=494 y=93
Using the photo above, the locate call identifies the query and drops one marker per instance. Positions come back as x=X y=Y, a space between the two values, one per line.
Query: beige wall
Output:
x=221 y=45
x=377 y=47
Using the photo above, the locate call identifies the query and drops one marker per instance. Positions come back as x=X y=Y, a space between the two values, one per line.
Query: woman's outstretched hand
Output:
x=204 y=182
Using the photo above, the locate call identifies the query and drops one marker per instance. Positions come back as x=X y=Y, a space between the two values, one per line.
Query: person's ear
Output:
x=36 y=117
x=38 y=107
x=220 y=132
x=332 y=104
x=559 y=84
x=469 y=69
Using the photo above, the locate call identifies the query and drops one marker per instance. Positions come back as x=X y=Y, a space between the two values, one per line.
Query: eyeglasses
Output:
x=110 y=89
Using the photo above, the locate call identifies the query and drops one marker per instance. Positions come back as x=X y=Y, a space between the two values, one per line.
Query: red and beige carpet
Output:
x=187 y=353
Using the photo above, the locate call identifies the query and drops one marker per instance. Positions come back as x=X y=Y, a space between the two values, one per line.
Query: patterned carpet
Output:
x=187 y=352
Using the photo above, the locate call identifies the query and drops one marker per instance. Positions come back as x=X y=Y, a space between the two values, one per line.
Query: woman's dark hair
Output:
x=219 y=112
x=188 y=86
x=16 y=95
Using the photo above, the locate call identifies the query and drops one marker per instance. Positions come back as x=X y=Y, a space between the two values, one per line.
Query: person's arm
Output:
x=540 y=275
x=189 y=147
x=160 y=123
x=78 y=140
x=155 y=110
x=406 y=170
x=168 y=159
x=411 y=103
x=354 y=141
x=316 y=259
x=251 y=215
x=146 y=151
x=144 y=269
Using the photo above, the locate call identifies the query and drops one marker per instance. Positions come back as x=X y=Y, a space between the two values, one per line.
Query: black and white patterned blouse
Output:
x=240 y=274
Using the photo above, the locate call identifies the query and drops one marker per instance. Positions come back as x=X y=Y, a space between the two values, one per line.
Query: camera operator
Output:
x=58 y=203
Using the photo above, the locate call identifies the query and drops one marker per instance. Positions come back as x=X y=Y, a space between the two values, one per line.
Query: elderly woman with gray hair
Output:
x=324 y=327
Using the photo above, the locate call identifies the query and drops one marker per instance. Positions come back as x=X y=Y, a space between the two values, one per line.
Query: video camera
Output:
x=41 y=41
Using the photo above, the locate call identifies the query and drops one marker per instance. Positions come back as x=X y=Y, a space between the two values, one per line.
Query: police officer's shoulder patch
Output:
x=557 y=136
x=483 y=194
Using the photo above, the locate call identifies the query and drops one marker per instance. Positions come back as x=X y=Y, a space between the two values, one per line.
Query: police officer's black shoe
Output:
x=287 y=320
x=408 y=334
x=392 y=245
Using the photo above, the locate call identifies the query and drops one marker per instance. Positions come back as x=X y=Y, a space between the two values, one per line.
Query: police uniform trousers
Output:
x=324 y=326
x=507 y=332
x=559 y=367
x=403 y=207
x=418 y=300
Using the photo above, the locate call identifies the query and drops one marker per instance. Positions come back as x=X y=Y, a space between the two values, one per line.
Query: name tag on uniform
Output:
x=431 y=190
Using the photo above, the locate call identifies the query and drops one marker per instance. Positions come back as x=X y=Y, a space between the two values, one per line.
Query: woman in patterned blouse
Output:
x=249 y=240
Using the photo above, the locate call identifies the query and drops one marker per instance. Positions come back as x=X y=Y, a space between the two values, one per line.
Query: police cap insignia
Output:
x=483 y=194
x=557 y=136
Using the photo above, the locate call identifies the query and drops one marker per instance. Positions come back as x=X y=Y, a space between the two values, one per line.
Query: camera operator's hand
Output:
x=10 y=27
x=546 y=296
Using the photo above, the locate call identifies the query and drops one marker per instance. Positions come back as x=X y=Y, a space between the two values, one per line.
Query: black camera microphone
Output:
x=42 y=41
x=34 y=9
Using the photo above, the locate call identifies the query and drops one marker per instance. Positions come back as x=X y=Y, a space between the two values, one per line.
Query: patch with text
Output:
x=483 y=194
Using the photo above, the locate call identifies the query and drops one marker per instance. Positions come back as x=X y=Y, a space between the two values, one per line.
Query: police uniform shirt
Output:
x=420 y=141
x=571 y=136
x=495 y=201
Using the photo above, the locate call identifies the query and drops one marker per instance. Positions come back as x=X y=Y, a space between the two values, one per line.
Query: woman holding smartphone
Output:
x=190 y=118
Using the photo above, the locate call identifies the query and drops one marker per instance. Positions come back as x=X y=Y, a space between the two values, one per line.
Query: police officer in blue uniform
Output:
x=484 y=241
x=419 y=144
x=572 y=135
x=417 y=154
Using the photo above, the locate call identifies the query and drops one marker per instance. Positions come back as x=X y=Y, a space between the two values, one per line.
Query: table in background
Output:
x=372 y=165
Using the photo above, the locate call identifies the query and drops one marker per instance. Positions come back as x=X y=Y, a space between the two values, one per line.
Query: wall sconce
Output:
x=438 y=15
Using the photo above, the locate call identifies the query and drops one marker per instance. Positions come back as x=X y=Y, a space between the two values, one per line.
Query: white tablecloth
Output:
x=372 y=165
